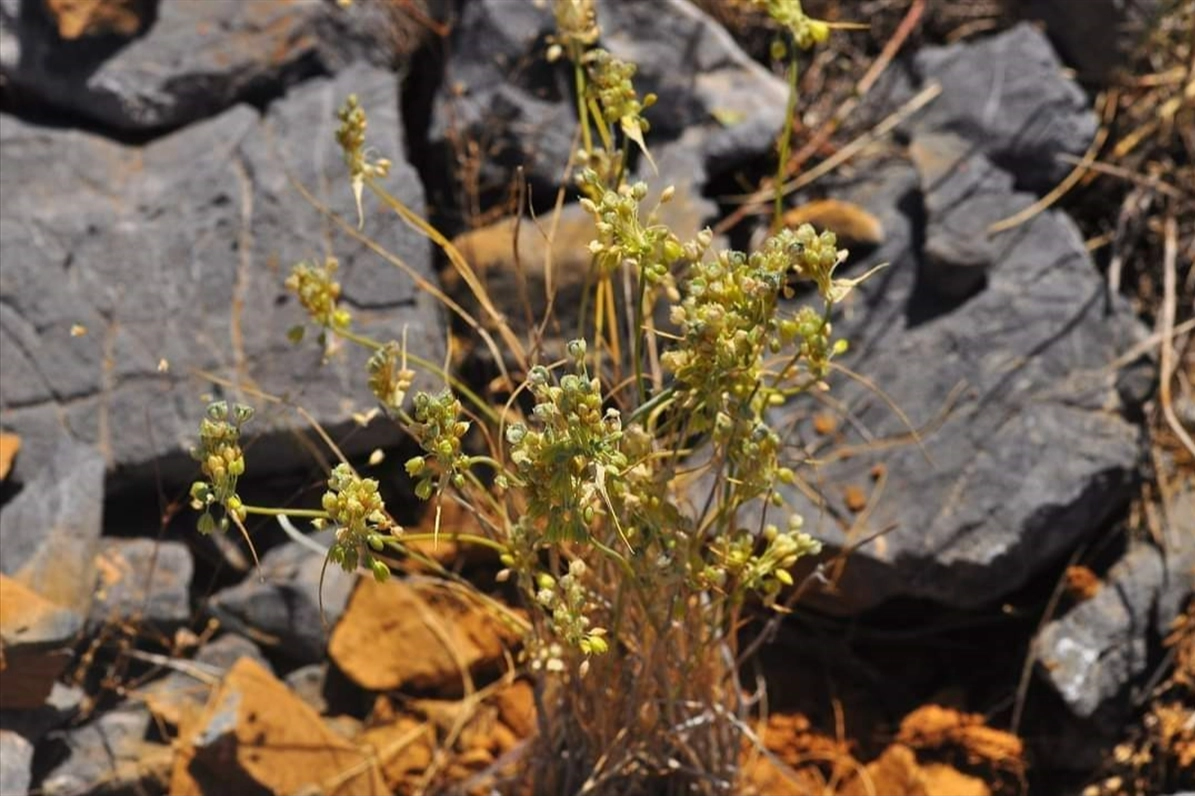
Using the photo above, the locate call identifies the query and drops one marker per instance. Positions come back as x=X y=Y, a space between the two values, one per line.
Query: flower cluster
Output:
x=389 y=376
x=806 y=31
x=356 y=507
x=610 y=86
x=319 y=292
x=351 y=138
x=570 y=462
x=576 y=28
x=623 y=238
x=222 y=462
x=439 y=430
x=565 y=600
x=738 y=567
x=729 y=320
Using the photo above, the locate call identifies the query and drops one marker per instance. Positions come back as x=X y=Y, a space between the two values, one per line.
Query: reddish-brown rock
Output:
x=397 y=636
x=255 y=734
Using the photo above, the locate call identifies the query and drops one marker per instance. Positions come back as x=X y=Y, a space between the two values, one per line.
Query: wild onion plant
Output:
x=613 y=493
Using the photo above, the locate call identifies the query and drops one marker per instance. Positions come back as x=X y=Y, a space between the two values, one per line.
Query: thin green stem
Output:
x=275 y=511
x=637 y=341
x=582 y=106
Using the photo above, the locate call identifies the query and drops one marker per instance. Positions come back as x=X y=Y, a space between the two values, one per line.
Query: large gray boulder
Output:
x=189 y=60
x=294 y=602
x=1006 y=94
x=1025 y=443
x=177 y=251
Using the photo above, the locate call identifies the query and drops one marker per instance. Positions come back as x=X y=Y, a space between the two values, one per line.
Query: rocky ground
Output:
x=1006 y=491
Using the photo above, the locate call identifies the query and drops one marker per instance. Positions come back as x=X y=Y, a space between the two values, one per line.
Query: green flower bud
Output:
x=381 y=572
x=241 y=413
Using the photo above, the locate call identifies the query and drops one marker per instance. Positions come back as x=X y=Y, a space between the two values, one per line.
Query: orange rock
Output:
x=897 y=771
x=963 y=740
x=765 y=776
x=77 y=18
x=943 y=779
x=516 y=706
x=402 y=748
x=34 y=633
x=824 y=423
x=255 y=734
x=1081 y=583
x=855 y=497
x=10 y=444
x=894 y=772
x=395 y=636
x=853 y=225
x=937 y=727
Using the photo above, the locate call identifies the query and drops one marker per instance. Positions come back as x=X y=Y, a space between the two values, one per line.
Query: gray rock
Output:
x=178 y=250
x=307 y=683
x=281 y=608
x=144 y=580
x=49 y=532
x=957 y=188
x=501 y=91
x=109 y=754
x=196 y=60
x=1092 y=653
x=187 y=687
x=1025 y=447
x=1007 y=95
x=16 y=763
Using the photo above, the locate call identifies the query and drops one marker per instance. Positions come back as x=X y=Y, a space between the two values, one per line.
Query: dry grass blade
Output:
x=850 y=150
x=1070 y=181
x=1166 y=324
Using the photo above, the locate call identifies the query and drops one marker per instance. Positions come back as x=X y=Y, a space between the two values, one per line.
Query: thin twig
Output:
x=1166 y=322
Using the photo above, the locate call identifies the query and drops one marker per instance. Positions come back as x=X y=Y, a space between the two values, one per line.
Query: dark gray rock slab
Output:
x=956 y=188
x=143 y=580
x=1025 y=443
x=195 y=59
x=501 y=92
x=50 y=531
x=1007 y=94
x=108 y=755
x=1091 y=654
x=178 y=251
x=281 y=608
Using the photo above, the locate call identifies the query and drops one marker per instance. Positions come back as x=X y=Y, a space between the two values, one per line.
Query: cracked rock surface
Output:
x=172 y=257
